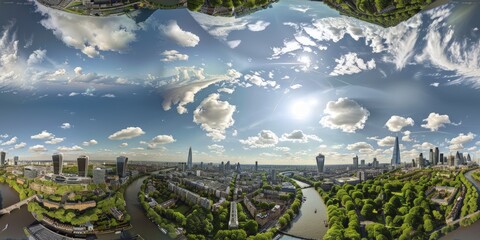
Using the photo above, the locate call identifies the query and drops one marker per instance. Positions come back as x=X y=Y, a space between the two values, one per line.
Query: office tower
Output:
x=2 y=158
x=396 y=153
x=430 y=156
x=375 y=163
x=227 y=166
x=469 y=159
x=320 y=163
x=201 y=165
x=451 y=160
x=189 y=159
x=98 y=175
x=355 y=162
x=57 y=159
x=362 y=163
x=458 y=159
x=413 y=163
x=274 y=175
x=421 y=161
x=361 y=175
x=441 y=158
x=222 y=167
x=82 y=162
x=15 y=160
x=122 y=166
x=238 y=167
x=256 y=166
x=436 y=156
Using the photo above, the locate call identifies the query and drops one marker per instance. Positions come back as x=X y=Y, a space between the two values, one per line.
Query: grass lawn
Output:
x=182 y=208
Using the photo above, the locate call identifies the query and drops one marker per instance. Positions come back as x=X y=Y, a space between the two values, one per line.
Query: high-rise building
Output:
x=414 y=163
x=201 y=165
x=189 y=159
x=375 y=163
x=222 y=167
x=451 y=160
x=469 y=159
x=430 y=157
x=82 y=162
x=98 y=175
x=362 y=163
x=122 y=166
x=256 y=166
x=320 y=163
x=396 y=153
x=458 y=159
x=361 y=175
x=274 y=175
x=57 y=160
x=238 y=167
x=227 y=166
x=421 y=161
x=355 y=162
x=436 y=156
x=15 y=160
x=3 y=155
x=441 y=159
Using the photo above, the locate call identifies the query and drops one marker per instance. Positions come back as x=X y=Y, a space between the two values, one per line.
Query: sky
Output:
x=278 y=86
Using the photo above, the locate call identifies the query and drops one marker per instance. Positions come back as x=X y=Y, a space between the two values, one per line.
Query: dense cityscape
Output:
x=239 y=119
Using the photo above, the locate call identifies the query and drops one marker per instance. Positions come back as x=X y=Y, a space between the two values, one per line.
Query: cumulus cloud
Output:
x=113 y=33
x=226 y=90
x=214 y=116
x=163 y=139
x=183 y=38
x=13 y=140
x=361 y=147
x=296 y=86
x=462 y=138
x=406 y=136
x=387 y=141
x=218 y=26
x=66 y=126
x=217 y=149
x=20 y=145
x=43 y=135
x=37 y=56
x=123 y=145
x=108 y=95
x=424 y=146
x=90 y=142
x=127 y=133
x=259 y=81
x=299 y=136
x=173 y=55
x=54 y=141
x=258 y=26
x=396 y=123
x=234 y=43
x=38 y=148
x=434 y=121
x=344 y=114
x=74 y=148
x=187 y=82
x=350 y=63
x=264 y=139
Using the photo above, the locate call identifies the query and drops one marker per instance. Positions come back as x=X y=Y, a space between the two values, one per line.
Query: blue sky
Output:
x=277 y=86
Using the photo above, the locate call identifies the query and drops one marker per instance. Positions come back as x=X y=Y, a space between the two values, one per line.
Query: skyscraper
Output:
x=98 y=175
x=256 y=166
x=57 y=159
x=396 y=153
x=421 y=161
x=441 y=159
x=189 y=159
x=436 y=156
x=320 y=163
x=430 y=156
x=469 y=159
x=15 y=160
x=82 y=162
x=2 y=158
x=458 y=159
x=122 y=166
x=362 y=163
x=355 y=162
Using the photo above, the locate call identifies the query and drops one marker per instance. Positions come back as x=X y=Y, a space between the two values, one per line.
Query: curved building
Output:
x=57 y=159
x=122 y=166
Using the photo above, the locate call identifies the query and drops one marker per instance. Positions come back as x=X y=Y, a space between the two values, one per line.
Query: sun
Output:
x=300 y=109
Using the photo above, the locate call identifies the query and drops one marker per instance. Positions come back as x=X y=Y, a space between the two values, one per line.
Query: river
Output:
x=309 y=224
x=470 y=232
x=17 y=219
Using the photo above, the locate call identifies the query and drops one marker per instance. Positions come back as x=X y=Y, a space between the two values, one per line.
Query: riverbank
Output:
x=17 y=219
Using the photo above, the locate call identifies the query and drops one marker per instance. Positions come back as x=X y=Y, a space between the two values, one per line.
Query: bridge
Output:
x=292 y=235
x=17 y=205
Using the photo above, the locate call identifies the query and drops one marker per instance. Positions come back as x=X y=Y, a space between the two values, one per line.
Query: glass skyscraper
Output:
x=57 y=159
x=82 y=163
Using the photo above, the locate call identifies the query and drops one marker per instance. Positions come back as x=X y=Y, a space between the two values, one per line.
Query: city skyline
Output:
x=307 y=84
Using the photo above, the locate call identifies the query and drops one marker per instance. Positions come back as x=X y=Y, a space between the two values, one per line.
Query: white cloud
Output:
x=108 y=95
x=214 y=116
x=259 y=81
x=226 y=90
x=90 y=142
x=288 y=47
x=424 y=146
x=66 y=126
x=93 y=35
x=299 y=136
x=38 y=148
x=3 y=135
x=127 y=133
x=13 y=140
x=258 y=26
x=37 y=56
x=43 y=135
x=75 y=148
x=296 y=86
x=282 y=149
x=434 y=121
x=406 y=136
x=344 y=114
x=123 y=145
x=396 y=123
x=163 y=139
x=173 y=55
x=179 y=36
x=215 y=148
x=20 y=145
x=350 y=63
x=264 y=139
x=387 y=141
x=435 y=84
x=462 y=138
x=187 y=82
x=302 y=9
x=219 y=26
x=78 y=70
x=73 y=94
x=361 y=147
x=234 y=43
x=54 y=141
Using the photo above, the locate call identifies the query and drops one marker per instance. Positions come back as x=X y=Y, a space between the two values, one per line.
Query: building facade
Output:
x=57 y=159
x=82 y=163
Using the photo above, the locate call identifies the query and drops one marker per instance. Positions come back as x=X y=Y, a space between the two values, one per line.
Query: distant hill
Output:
x=385 y=13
